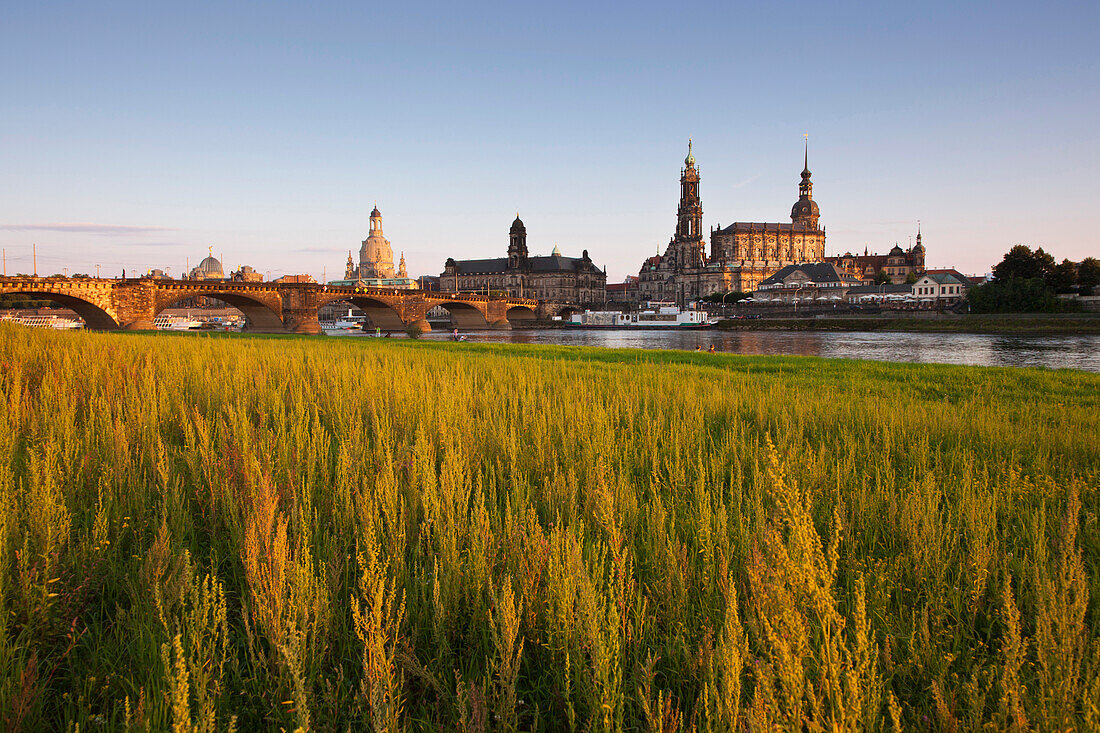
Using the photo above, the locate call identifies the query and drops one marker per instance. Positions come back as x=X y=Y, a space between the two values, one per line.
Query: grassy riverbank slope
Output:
x=326 y=533
x=1009 y=324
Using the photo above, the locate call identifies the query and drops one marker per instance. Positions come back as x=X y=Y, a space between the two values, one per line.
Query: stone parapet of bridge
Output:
x=271 y=307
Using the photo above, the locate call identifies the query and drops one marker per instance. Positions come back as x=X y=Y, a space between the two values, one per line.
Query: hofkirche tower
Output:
x=687 y=246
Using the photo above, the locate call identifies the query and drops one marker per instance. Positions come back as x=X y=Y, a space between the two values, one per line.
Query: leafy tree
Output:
x=911 y=278
x=1062 y=277
x=1017 y=295
x=881 y=278
x=1088 y=275
x=1026 y=281
x=1023 y=263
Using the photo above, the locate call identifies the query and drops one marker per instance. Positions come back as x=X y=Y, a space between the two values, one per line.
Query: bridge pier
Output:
x=501 y=325
x=309 y=329
x=300 y=309
x=303 y=325
x=141 y=324
x=422 y=324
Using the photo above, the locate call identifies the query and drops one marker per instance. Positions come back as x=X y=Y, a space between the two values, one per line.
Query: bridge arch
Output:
x=382 y=315
x=566 y=311
x=95 y=317
x=520 y=313
x=263 y=317
x=465 y=315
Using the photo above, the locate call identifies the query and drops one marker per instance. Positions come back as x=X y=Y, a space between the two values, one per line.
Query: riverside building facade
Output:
x=899 y=265
x=553 y=278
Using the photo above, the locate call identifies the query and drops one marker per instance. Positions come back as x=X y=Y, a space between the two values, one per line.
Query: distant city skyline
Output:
x=136 y=136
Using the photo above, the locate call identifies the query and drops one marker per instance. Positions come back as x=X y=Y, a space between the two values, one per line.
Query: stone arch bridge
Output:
x=272 y=307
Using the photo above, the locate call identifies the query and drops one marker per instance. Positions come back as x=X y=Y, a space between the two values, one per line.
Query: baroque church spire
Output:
x=805 y=211
x=688 y=245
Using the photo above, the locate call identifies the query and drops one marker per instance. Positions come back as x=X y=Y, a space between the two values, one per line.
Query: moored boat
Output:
x=176 y=323
x=57 y=322
x=660 y=316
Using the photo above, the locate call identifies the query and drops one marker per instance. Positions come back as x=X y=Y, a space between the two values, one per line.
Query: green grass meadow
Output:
x=231 y=532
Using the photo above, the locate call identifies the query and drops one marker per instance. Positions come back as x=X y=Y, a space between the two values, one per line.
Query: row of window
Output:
x=947 y=290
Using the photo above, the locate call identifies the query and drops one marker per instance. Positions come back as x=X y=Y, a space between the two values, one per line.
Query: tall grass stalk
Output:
x=206 y=533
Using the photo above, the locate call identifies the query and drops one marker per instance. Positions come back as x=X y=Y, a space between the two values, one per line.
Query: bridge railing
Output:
x=427 y=294
x=32 y=282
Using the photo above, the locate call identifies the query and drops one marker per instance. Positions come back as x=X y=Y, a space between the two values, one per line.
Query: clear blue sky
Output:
x=138 y=134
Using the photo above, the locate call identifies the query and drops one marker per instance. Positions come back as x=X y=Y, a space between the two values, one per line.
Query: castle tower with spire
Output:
x=805 y=211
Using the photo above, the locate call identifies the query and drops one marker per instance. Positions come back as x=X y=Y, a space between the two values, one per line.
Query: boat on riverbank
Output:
x=663 y=316
x=176 y=323
x=341 y=326
x=57 y=322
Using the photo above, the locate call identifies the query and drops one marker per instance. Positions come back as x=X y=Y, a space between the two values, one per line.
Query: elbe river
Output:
x=1052 y=352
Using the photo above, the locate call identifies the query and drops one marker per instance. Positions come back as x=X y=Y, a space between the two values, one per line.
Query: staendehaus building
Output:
x=554 y=278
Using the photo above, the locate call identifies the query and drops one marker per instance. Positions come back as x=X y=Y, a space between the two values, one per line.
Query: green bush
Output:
x=1017 y=295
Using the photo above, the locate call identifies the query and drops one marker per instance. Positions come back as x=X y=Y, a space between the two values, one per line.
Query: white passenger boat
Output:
x=661 y=316
x=341 y=326
x=176 y=323
x=57 y=322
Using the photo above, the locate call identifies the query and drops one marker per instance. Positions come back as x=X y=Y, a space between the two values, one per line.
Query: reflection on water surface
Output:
x=1054 y=352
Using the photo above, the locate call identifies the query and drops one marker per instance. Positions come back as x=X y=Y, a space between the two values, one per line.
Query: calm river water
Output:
x=1054 y=352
